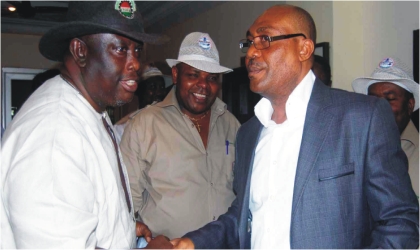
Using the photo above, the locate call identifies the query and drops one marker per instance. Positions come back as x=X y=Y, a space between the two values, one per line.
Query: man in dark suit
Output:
x=317 y=167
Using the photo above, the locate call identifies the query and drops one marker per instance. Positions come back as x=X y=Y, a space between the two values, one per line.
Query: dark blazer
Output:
x=352 y=188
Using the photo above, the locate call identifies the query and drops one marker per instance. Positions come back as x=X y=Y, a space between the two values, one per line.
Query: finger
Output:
x=143 y=230
x=175 y=241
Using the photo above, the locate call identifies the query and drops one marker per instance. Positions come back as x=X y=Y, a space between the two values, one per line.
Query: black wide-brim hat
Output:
x=94 y=17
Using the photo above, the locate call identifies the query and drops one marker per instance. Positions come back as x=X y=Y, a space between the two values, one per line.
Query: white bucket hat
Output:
x=150 y=71
x=199 y=51
x=393 y=70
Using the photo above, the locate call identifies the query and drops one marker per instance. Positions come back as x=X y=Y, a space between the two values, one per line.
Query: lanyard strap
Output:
x=111 y=133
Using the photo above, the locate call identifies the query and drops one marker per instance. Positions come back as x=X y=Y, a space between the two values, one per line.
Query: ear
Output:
x=174 y=74
x=411 y=103
x=78 y=49
x=306 y=49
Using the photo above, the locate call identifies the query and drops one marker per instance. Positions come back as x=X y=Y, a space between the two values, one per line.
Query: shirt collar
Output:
x=296 y=104
x=218 y=107
x=410 y=134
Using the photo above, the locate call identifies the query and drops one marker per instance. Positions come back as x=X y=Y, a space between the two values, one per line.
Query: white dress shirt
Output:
x=274 y=169
x=60 y=174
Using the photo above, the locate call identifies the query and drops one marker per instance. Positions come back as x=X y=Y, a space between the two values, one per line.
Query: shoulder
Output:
x=345 y=102
x=146 y=113
x=251 y=124
x=229 y=118
x=249 y=129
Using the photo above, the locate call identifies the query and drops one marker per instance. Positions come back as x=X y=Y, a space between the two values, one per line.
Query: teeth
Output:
x=200 y=95
x=131 y=82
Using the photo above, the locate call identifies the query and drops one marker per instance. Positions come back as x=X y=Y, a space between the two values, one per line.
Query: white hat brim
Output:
x=201 y=65
x=361 y=85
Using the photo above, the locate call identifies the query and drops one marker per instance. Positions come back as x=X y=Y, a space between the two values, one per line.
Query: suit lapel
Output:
x=317 y=123
x=252 y=135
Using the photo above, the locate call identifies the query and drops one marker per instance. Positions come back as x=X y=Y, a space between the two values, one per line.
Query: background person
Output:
x=317 y=167
x=63 y=183
x=180 y=152
x=151 y=89
x=393 y=81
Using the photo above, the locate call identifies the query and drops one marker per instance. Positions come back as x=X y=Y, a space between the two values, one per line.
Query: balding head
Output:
x=280 y=64
x=300 y=18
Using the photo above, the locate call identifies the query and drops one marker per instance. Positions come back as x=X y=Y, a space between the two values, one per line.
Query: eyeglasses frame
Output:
x=270 y=39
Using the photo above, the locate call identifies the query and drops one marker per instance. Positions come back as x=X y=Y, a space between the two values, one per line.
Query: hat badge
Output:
x=386 y=63
x=204 y=43
x=126 y=8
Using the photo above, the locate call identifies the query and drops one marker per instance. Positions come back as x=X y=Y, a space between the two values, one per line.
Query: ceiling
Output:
x=36 y=17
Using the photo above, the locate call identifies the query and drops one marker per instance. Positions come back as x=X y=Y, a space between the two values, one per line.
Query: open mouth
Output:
x=129 y=85
x=199 y=97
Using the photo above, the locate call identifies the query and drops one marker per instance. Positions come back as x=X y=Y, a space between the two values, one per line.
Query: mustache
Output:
x=252 y=64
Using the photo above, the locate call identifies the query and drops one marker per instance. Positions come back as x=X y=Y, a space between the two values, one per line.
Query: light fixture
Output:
x=11 y=8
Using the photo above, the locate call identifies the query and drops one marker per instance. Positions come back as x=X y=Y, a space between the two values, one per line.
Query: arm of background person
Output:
x=130 y=150
x=392 y=201
x=219 y=234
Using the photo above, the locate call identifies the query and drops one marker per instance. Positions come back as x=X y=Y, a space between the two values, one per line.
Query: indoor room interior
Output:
x=352 y=35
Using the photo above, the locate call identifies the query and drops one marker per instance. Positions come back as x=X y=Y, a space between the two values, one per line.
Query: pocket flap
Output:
x=335 y=172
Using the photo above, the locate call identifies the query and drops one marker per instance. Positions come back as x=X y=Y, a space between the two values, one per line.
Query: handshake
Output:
x=161 y=241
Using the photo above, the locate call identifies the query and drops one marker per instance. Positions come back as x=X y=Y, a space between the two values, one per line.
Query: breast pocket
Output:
x=332 y=173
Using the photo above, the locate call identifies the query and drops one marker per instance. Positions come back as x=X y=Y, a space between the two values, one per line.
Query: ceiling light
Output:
x=11 y=8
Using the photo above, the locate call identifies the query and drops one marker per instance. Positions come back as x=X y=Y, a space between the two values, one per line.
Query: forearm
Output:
x=219 y=234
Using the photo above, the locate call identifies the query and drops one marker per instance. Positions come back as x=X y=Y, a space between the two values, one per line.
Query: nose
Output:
x=133 y=62
x=202 y=82
x=252 y=52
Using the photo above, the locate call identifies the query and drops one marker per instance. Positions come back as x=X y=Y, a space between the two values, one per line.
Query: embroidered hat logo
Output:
x=386 y=63
x=126 y=8
x=204 y=43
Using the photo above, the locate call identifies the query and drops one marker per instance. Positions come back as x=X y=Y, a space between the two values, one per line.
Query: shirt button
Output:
x=192 y=125
x=214 y=217
x=211 y=183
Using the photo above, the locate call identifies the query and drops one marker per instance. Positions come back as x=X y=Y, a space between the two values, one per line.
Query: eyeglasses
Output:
x=263 y=42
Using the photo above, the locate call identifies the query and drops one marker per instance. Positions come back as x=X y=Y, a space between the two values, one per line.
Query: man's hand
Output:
x=143 y=230
x=182 y=243
x=160 y=242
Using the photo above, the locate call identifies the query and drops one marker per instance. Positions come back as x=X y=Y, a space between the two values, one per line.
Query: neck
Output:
x=73 y=76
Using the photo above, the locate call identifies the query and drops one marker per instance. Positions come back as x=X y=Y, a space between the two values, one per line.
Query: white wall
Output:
x=226 y=23
x=21 y=51
x=366 y=32
x=360 y=33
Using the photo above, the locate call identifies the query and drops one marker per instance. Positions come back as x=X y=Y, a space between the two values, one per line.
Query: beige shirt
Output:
x=177 y=185
x=410 y=145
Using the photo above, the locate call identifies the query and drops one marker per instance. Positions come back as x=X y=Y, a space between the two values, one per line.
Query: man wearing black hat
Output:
x=64 y=183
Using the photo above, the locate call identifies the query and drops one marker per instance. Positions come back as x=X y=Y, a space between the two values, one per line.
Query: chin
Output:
x=120 y=102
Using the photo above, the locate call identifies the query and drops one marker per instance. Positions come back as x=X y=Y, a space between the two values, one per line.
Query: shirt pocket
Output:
x=325 y=174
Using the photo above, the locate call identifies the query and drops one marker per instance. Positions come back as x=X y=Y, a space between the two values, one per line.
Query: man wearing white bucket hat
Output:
x=393 y=80
x=180 y=152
